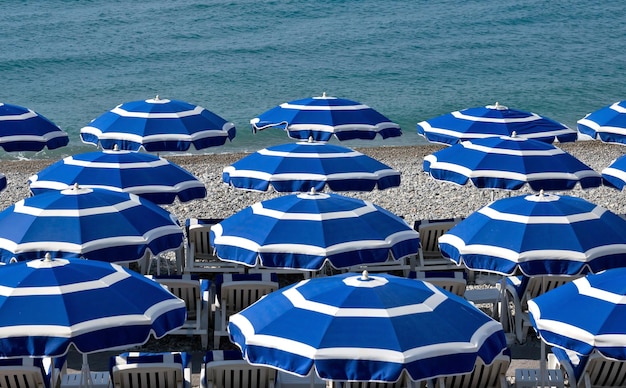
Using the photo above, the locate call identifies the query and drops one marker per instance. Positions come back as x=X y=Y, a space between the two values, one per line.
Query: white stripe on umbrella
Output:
x=146 y=175
x=50 y=304
x=22 y=129
x=158 y=125
x=607 y=123
x=327 y=305
x=150 y=138
x=89 y=246
x=282 y=229
x=492 y=120
x=562 y=318
x=350 y=125
x=370 y=354
x=157 y=115
x=308 y=249
x=367 y=208
x=510 y=162
x=131 y=226
x=298 y=167
x=497 y=237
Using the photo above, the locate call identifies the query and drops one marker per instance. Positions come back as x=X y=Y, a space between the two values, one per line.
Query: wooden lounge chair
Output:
x=199 y=255
x=595 y=371
x=227 y=369
x=235 y=292
x=26 y=372
x=147 y=370
x=196 y=293
x=456 y=283
x=430 y=257
x=451 y=281
x=602 y=372
x=519 y=290
x=163 y=260
x=390 y=266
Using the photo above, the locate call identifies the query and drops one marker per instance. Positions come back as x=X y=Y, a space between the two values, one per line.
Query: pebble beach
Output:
x=418 y=197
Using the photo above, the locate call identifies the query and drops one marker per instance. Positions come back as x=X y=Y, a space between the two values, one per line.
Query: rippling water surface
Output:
x=411 y=60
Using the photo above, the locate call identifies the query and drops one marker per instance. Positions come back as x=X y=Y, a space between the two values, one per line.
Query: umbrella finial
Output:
x=324 y=94
x=116 y=147
x=157 y=98
x=365 y=275
x=310 y=139
x=47 y=257
x=312 y=192
x=513 y=134
x=497 y=106
x=76 y=187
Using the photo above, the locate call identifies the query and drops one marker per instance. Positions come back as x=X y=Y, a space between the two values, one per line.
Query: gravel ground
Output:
x=418 y=197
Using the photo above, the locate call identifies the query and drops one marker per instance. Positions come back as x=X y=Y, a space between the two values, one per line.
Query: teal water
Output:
x=409 y=59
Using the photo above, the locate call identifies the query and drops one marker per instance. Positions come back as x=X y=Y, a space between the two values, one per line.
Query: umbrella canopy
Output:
x=304 y=231
x=146 y=175
x=94 y=224
x=22 y=129
x=607 y=124
x=615 y=174
x=563 y=320
x=352 y=327
x=493 y=120
x=538 y=235
x=46 y=305
x=298 y=167
x=503 y=162
x=158 y=125
x=562 y=315
x=325 y=116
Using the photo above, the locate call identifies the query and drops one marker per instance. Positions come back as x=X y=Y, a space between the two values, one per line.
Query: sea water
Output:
x=409 y=59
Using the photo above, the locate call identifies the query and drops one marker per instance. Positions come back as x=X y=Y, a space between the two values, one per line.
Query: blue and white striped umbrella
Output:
x=22 y=129
x=94 y=224
x=615 y=174
x=146 y=175
x=353 y=327
x=503 y=162
x=493 y=120
x=46 y=305
x=538 y=235
x=322 y=117
x=607 y=124
x=304 y=231
x=584 y=316
x=563 y=319
x=158 y=125
x=298 y=167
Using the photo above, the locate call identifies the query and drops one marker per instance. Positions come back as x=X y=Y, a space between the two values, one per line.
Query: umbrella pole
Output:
x=53 y=382
x=542 y=359
x=85 y=373
x=505 y=314
x=542 y=364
